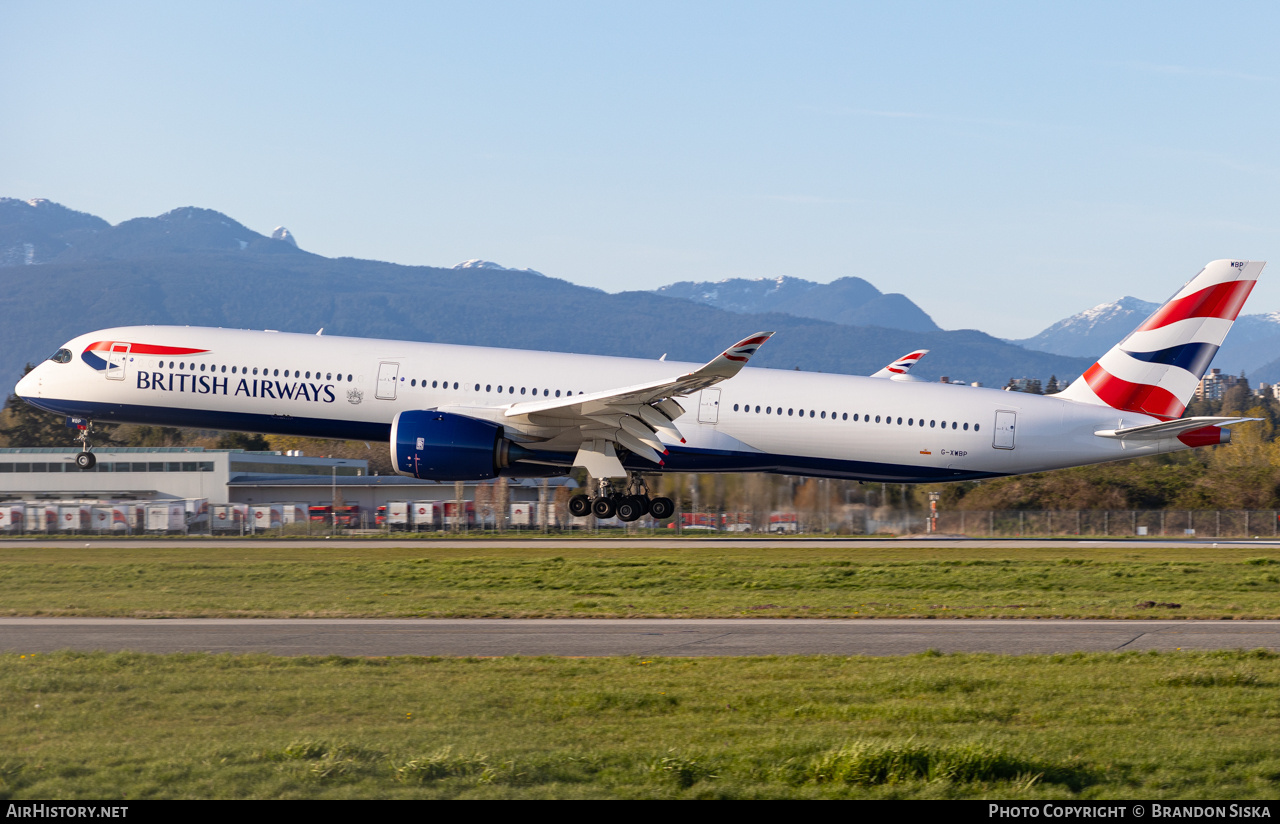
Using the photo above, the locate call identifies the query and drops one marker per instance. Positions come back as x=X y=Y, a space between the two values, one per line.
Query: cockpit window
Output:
x=61 y=356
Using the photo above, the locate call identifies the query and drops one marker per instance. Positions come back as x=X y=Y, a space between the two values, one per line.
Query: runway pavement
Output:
x=669 y=637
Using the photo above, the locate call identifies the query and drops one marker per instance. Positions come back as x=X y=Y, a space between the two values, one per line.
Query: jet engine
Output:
x=442 y=446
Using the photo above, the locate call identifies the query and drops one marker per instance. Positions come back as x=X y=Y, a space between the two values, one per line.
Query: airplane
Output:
x=454 y=412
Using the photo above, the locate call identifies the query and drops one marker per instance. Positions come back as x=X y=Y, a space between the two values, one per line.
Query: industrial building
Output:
x=229 y=485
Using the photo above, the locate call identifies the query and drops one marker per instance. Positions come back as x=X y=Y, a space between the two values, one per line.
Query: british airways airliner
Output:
x=473 y=413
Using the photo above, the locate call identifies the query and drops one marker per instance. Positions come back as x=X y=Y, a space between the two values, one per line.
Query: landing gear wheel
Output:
x=579 y=506
x=86 y=460
x=631 y=508
x=603 y=507
x=662 y=508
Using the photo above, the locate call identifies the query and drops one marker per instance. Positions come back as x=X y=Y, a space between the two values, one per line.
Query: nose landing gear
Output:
x=86 y=459
x=629 y=505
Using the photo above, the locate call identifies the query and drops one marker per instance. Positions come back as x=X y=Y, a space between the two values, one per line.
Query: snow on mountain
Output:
x=1089 y=333
x=477 y=263
x=281 y=233
x=739 y=294
x=851 y=301
x=1253 y=342
x=37 y=230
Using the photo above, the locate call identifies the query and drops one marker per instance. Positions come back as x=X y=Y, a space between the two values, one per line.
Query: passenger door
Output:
x=116 y=360
x=1004 y=430
x=709 y=406
x=388 y=378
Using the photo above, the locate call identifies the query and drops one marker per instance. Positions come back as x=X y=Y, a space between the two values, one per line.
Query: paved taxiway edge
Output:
x=592 y=637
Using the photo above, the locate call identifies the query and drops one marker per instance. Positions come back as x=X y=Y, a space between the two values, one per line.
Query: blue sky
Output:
x=1002 y=164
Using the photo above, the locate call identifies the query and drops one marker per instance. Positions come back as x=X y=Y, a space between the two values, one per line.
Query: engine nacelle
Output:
x=441 y=446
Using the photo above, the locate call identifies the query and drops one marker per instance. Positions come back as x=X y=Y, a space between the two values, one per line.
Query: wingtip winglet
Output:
x=745 y=348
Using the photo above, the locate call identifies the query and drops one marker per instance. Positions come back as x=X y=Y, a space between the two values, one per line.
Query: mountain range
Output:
x=1252 y=347
x=67 y=272
x=849 y=301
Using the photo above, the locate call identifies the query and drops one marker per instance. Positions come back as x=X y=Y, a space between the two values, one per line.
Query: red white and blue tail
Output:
x=1155 y=370
x=902 y=365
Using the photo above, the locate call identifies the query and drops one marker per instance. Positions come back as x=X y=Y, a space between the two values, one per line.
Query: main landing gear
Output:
x=86 y=459
x=630 y=505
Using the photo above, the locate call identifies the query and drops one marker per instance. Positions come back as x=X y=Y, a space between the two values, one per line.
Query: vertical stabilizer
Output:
x=1155 y=370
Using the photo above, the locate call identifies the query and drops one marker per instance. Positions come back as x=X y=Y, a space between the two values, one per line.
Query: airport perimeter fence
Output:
x=1122 y=523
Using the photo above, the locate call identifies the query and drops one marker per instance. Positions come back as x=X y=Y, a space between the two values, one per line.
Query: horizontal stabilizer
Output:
x=1168 y=429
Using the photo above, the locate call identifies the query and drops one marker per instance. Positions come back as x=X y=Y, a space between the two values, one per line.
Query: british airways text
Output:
x=210 y=385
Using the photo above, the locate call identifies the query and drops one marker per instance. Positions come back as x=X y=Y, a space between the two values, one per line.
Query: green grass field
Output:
x=106 y=726
x=1125 y=725
x=563 y=580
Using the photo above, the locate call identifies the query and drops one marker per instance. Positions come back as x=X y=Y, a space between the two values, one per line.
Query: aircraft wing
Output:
x=637 y=418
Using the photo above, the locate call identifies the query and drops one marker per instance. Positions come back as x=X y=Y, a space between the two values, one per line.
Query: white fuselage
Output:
x=813 y=424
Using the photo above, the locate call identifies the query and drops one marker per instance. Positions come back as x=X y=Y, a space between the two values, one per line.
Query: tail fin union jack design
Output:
x=1156 y=369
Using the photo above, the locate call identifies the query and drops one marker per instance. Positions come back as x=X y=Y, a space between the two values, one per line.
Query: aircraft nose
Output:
x=29 y=386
